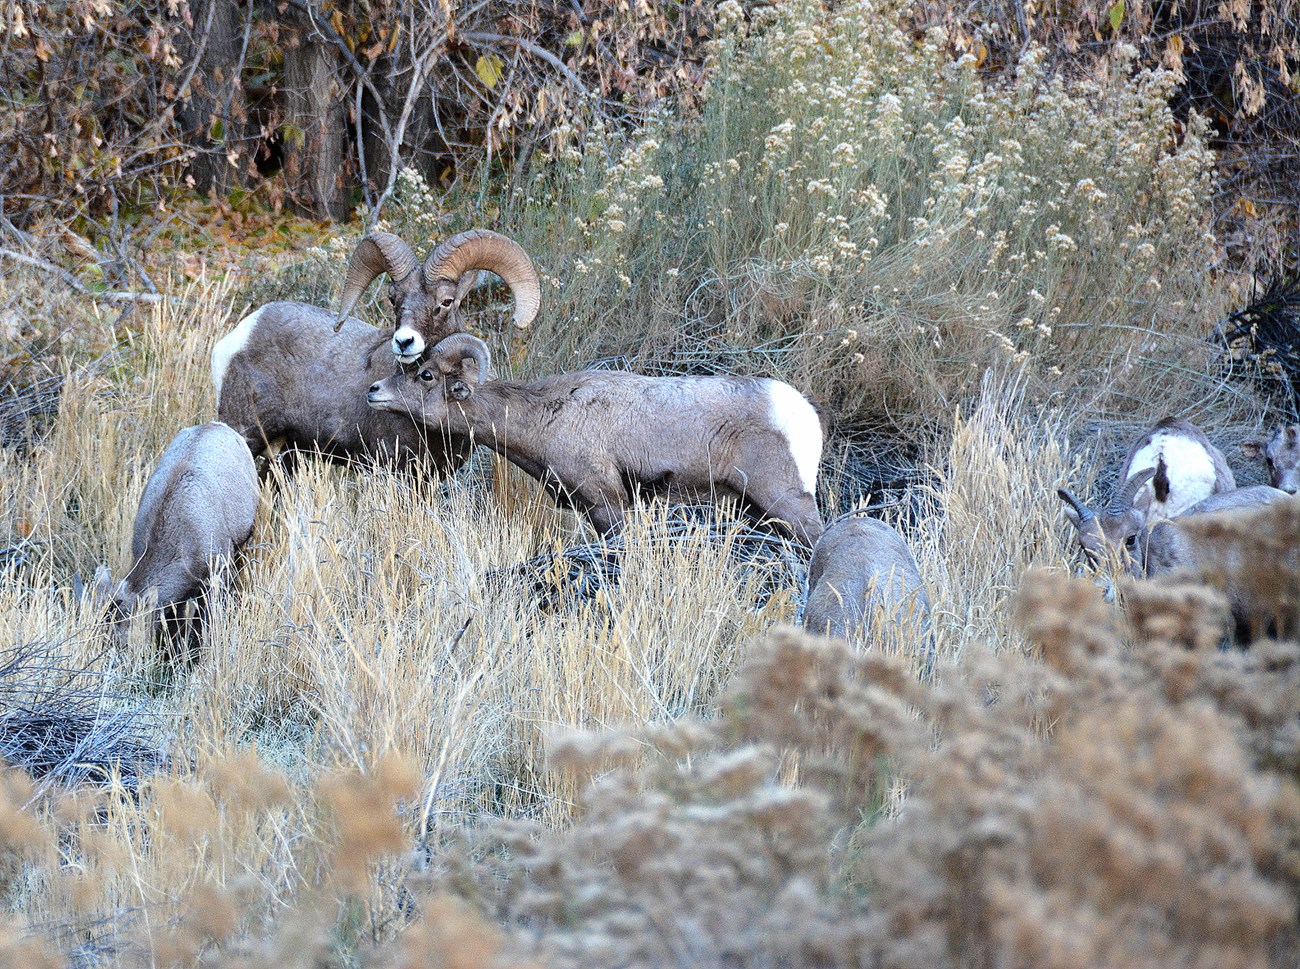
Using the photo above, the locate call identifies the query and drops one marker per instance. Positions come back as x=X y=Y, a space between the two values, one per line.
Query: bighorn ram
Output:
x=862 y=569
x=292 y=373
x=595 y=438
x=196 y=511
x=1282 y=452
x=1185 y=468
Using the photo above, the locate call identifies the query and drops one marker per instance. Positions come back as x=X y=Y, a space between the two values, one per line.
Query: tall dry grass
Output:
x=372 y=699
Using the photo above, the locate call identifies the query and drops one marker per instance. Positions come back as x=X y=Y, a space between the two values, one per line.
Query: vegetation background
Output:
x=432 y=723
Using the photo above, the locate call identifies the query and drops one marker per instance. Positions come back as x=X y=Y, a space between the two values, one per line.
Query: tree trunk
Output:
x=314 y=137
x=214 y=119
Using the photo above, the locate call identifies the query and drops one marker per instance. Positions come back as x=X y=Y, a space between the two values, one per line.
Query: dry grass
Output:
x=372 y=692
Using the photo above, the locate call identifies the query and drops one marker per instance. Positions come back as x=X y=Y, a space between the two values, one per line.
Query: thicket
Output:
x=107 y=108
x=856 y=211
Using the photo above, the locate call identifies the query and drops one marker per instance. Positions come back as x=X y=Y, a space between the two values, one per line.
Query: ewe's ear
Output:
x=1252 y=449
x=459 y=390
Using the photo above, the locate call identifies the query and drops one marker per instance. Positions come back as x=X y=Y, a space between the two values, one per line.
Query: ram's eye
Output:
x=426 y=376
x=446 y=302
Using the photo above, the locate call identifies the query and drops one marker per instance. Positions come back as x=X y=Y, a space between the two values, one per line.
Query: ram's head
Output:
x=426 y=298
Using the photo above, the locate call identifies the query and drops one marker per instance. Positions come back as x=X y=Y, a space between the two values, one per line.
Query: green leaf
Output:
x=217 y=132
x=292 y=135
x=489 y=69
x=1116 y=14
x=574 y=39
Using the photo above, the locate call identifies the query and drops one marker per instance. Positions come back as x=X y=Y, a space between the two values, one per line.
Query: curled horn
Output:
x=376 y=254
x=485 y=249
x=1086 y=514
x=1123 y=499
x=458 y=346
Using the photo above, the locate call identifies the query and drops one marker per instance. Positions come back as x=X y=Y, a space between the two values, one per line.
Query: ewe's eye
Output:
x=426 y=376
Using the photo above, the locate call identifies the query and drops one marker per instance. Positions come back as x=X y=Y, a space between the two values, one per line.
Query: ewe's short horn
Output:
x=485 y=249
x=376 y=254
x=1086 y=514
x=458 y=346
x=1123 y=499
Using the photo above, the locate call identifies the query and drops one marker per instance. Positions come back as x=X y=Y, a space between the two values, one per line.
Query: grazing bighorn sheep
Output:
x=594 y=438
x=1185 y=468
x=1282 y=452
x=1170 y=545
x=292 y=373
x=197 y=510
x=859 y=566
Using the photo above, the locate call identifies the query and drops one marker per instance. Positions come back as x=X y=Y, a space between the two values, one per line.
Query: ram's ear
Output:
x=465 y=284
x=459 y=390
x=1254 y=450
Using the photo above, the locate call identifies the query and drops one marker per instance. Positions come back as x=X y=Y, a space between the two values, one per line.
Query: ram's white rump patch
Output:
x=229 y=345
x=1189 y=466
x=794 y=417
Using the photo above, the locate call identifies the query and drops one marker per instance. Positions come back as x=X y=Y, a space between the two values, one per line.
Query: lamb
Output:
x=862 y=569
x=594 y=439
x=1282 y=453
x=292 y=374
x=196 y=512
x=1185 y=468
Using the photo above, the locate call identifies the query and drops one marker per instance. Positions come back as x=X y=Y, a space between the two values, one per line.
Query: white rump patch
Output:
x=229 y=345
x=794 y=417
x=411 y=354
x=1190 y=469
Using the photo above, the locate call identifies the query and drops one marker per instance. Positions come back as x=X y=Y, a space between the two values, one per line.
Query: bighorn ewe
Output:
x=197 y=509
x=595 y=438
x=1185 y=543
x=1282 y=452
x=1185 y=468
x=291 y=373
x=861 y=568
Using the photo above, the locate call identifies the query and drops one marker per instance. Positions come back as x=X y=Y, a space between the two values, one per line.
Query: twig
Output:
x=480 y=37
x=48 y=267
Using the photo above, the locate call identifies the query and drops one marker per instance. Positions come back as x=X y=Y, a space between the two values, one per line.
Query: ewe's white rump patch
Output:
x=1190 y=469
x=229 y=345
x=794 y=417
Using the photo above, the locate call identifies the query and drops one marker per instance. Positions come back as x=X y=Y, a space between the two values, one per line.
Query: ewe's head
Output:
x=426 y=299
x=1121 y=521
x=113 y=600
x=456 y=368
x=1282 y=453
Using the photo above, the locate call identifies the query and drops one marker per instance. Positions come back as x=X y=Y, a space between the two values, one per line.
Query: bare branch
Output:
x=541 y=53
